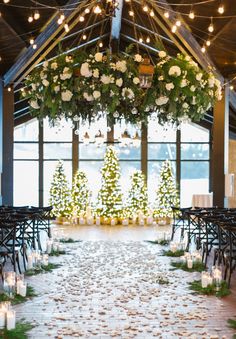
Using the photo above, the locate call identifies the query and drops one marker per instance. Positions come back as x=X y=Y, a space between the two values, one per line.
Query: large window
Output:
x=37 y=149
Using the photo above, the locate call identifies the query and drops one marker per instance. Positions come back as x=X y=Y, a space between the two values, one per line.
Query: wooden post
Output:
x=220 y=152
x=144 y=151
x=6 y=144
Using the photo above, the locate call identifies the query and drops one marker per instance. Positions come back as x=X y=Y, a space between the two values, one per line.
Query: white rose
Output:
x=170 y=86
x=45 y=64
x=199 y=76
x=127 y=93
x=34 y=104
x=69 y=58
x=136 y=80
x=162 y=100
x=88 y=97
x=187 y=58
x=43 y=75
x=161 y=78
x=192 y=88
x=175 y=71
x=121 y=66
x=66 y=95
x=56 y=89
x=96 y=94
x=98 y=57
x=66 y=74
x=96 y=73
x=55 y=78
x=119 y=82
x=194 y=101
x=185 y=105
x=45 y=82
x=54 y=65
x=105 y=79
x=84 y=70
x=211 y=82
x=162 y=54
x=33 y=87
x=138 y=58
x=183 y=83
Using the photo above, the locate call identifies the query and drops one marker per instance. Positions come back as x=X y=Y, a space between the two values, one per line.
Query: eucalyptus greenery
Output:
x=221 y=291
x=83 y=86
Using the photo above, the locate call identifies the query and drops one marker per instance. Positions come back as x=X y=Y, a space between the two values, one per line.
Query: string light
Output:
x=148 y=40
x=231 y=87
x=145 y=8
x=30 y=18
x=34 y=46
x=6 y=1
x=97 y=10
x=61 y=19
x=211 y=27
x=152 y=13
x=87 y=11
x=178 y=23
x=221 y=9
x=141 y=40
x=36 y=15
x=0 y=58
x=174 y=29
x=9 y=89
x=100 y=44
x=167 y=15
x=66 y=27
x=131 y=13
x=191 y=15
x=31 y=41
x=84 y=37
x=208 y=43
x=81 y=18
x=203 y=49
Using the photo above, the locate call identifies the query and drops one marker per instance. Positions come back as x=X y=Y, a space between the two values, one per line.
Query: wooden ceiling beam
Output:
x=45 y=42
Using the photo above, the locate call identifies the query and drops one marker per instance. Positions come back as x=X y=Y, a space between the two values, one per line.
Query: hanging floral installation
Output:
x=123 y=86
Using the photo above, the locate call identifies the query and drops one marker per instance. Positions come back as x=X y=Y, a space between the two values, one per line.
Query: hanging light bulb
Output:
x=6 y=1
x=140 y=40
x=66 y=27
x=167 y=15
x=178 y=23
x=30 y=18
x=148 y=40
x=152 y=14
x=136 y=140
x=131 y=13
x=231 y=87
x=97 y=10
x=174 y=29
x=36 y=15
x=61 y=19
x=191 y=15
x=100 y=44
x=145 y=8
x=9 y=88
x=31 y=41
x=211 y=27
x=81 y=18
x=203 y=49
x=86 y=138
x=84 y=37
x=221 y=9
x=208 y=43
x=34 y=46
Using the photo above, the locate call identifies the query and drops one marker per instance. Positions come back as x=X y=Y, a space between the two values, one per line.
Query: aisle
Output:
x=108 y=289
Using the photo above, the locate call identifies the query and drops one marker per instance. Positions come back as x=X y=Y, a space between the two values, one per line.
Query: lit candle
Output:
x=88 y=212
x=210 y=280
x=113 y=222
x=173 y=247
x=49 y=247
x=141 y=222
x=11 y=320
x=45 y=259
x=81 y=221
x=204 y=279
x=149 y=220
x=2 y=318
x=190 y=263
x=125 y=222
x=98 y=221
x=55 y=246
x=22 y=289
x=134 y=219
x=90 y=220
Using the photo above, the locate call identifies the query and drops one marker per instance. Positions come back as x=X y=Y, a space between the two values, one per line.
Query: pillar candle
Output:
x=204 y=279
x=125 y=222
x=22 y=289
x=90 y=220
x=113 y=222
x=88 y=212
x=49 y=247
x=98 y=221
x=81 y=221
x=173 y=247
x=141 y=222
x=149 y=220
x=45 y=259
x=190 y=263
x=210 y=280
x=11 y=320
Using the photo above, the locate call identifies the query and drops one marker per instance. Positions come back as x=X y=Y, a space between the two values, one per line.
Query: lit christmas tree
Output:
x=167 y=193
x=109 y=196
x=59 y=193
x=138 y=196
x=80 y=194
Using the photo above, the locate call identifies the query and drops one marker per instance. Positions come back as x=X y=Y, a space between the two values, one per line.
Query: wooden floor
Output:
x=107 y=287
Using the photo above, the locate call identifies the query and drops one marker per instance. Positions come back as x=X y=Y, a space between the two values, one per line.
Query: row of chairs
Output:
x=213 y=230
x=20 y=229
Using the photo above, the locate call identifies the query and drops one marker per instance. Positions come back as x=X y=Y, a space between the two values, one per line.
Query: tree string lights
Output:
x=137 y=196
x=80 y=194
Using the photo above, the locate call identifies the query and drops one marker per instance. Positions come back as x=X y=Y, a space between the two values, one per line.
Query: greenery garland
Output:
x=84 y=86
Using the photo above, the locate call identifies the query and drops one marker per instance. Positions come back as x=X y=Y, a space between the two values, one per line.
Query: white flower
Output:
x=85 y=71
x=66 y=74
x=194 y=101
x=57 y=89
x=98 y=57
x=162 y=54
x=136 y=80
x=66 y=95
x=183 y=83
x=175 y=71
x=45 y=82
x=127 y=93
x=55 y=78
x=34 y=104
x=185 y=105
x=218 y=83
x=199 y=76
x=33 y=87
x=43 y=75
x=121 y=66
x=106 y=79
x=69 y=58
x=113 y=66
x=54 y=65
x=162 y=100
x=96 y=94
x=138 y=58
x=45 y=64
x=170 y=86
x=161 y=78
x=187 y=58
x=119 y=82
x=96 y=73
x=192 y=88
x=211 y=82
x=88 y=97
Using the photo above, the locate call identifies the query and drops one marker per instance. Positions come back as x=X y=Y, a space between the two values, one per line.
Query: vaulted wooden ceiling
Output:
x=18 y=56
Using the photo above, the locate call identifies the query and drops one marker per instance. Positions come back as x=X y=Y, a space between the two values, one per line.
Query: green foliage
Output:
x=109 y=196
x=159 y=242
x=221 y=291
x=56 y=253
x=59 y=193
x=80 y=194
x=137 y=196
x=178 y=253
x=20 y=331
x=162 y=281
x=167 y=193
x=69 y=241
x=18 y=299
x=42 y=269
x=231 y=323
x=197 y=266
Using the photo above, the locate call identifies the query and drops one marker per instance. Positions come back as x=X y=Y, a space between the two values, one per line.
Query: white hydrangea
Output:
x=170 y=86
x=106 y=79
x=162 y=54
x=162 y=100
x=183 y=83
x=33 y=86
x=45 y=64
x=136 y=80
x=66 y=95
x=121 y=66
x=96 y=94
x=119 y=82
x=127 y=93
x=138 y=58
x=43 y=75
x=45 y=82
x=66 y=74
x=57 y=88
x=187 y=58
x=54 y=65
x=185 y=105
x=34 y=104
x=98 y=57
x=96 y=73
x=85 y=71
x=175 y=71
x=161 y=78
x=55 y=78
